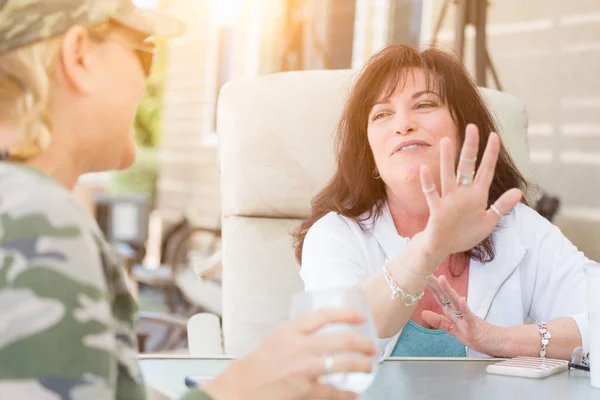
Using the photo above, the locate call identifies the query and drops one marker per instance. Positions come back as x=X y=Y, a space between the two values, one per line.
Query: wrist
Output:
x=428 y=257
x=501 y=347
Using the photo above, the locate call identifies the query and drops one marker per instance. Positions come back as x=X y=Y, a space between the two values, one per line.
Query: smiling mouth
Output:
x=410 y=147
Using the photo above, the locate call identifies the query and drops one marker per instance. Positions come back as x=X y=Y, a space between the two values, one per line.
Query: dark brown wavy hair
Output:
x=353 y=192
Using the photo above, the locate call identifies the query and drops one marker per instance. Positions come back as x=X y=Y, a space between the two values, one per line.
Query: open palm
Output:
x=459 y=217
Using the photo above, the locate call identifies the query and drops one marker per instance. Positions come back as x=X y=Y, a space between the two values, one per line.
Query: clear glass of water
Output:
x=344 y=297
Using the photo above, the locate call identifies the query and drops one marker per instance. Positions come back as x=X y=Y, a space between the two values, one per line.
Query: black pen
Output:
x=580 y=367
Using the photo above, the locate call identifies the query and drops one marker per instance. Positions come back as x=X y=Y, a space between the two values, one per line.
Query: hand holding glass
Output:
x=345 y=297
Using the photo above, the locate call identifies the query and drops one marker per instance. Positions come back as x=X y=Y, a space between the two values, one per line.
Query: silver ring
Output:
x=429 y=190
x=469 y=160
x=457 y=313
x=465 y=178
x=446 y=303
x=495 y=209
x=328 y=365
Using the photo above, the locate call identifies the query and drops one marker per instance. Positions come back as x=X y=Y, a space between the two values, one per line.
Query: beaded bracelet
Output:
x=409 y=299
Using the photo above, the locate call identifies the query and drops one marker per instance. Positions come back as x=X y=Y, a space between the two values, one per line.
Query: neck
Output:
x=58 y=165
x=54 y=161
x=61 y=159
x=408 y=208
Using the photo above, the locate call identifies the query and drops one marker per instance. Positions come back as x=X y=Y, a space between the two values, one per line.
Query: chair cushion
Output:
x=259 y=279
x=276 y=139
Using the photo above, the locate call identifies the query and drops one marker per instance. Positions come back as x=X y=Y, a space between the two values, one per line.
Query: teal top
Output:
x=416 y=341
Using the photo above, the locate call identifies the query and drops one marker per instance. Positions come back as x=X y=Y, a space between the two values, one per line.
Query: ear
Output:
x=76 y=59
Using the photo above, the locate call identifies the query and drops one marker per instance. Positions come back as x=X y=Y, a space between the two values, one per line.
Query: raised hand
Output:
x=459 y=217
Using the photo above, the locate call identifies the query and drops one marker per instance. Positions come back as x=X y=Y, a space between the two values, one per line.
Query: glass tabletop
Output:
x=398 y=378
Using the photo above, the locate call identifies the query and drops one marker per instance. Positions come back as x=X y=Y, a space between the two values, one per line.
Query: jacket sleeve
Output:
x=560 y=283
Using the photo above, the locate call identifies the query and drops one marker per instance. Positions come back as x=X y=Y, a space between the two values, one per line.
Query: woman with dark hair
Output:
x=449 y=255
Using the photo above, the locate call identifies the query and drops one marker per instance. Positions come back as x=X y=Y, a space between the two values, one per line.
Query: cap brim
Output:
x=152 y=23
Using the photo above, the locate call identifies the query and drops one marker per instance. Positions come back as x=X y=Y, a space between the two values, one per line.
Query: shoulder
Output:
x=332 y=221
x=334 y=253
x=35 y=206
x=54 y=287
x=45 y=230
x=542 y=238
x=335 y=236
x=524 y=214
x=334 y=225
x=24 y=192
x=527 y=223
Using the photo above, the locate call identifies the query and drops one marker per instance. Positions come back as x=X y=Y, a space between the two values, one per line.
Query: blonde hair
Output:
x=25 y=80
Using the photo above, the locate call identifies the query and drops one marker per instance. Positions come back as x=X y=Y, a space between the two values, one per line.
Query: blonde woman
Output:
x=71 y=75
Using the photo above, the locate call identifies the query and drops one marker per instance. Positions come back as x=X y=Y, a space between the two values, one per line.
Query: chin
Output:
x=408 y=175
x=128 y=159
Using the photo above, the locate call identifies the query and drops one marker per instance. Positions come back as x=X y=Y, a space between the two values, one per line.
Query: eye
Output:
x=425 y=104
x=379 y=115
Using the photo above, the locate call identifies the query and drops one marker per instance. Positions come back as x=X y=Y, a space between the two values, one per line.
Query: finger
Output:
x=315 y=320
x=327 y=392
x=328 y=343
x=447 y=162
x=487 y=168
x=437 y=298
x=342 y=363
x=503 y=206
x=468 y=315
x=443 y=300
x=453 y=312
x=437 y=321
x=468 y=154
x=428 y=186
x=434 y=286
x=449 y=292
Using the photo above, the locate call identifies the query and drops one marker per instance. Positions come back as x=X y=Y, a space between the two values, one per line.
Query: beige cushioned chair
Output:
x=276 y=151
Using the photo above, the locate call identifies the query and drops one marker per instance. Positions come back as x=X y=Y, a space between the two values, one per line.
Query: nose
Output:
x=404 y=125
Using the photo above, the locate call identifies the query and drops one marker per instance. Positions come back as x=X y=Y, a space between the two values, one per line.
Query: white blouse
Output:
x=537 y=273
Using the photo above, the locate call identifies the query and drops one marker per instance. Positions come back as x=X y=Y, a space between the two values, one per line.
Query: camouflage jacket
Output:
x=67 y=320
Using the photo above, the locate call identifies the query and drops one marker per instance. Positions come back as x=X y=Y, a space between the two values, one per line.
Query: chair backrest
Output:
x=276 y=144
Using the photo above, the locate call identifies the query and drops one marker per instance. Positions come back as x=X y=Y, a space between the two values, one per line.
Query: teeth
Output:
x=412 y=146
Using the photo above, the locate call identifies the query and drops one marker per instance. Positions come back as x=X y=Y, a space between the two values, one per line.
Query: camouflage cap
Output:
x=23 y=22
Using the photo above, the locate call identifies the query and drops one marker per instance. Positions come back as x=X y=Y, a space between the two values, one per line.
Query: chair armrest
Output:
x=204 y=335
